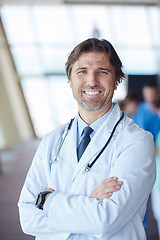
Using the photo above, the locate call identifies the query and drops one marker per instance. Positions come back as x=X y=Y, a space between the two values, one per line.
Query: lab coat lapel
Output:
x=105 y=131
x=100 y=139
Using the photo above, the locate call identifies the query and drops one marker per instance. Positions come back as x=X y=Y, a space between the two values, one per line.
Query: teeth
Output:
x=92 y=93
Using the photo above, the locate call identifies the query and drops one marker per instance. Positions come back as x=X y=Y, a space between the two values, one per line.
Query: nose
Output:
x=92 y=79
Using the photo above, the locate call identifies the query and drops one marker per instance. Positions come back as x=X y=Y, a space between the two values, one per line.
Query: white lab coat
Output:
x=129 y=156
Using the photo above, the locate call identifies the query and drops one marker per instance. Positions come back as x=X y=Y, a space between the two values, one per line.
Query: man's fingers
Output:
x=109 y=184
x=49 y=189
x=106 y=188
x=102 y=197
x=110 y=189
x=110 y=181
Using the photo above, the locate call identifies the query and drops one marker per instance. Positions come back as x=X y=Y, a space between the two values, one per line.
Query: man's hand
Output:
x=106 y=188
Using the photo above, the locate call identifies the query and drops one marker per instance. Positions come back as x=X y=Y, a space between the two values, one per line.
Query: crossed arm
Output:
x=138 y=179
x=103 y=190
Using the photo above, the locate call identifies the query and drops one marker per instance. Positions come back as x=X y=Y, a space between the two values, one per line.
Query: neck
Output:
x=91 y=116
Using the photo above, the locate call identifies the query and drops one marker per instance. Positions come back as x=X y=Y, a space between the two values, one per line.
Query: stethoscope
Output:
x=89 y=165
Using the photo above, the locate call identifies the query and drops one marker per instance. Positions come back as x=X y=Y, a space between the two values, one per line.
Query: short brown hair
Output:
x=96 y=45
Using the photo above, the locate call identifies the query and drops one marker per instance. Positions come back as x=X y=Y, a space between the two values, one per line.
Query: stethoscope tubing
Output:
x=89 y=165
x=64 y=135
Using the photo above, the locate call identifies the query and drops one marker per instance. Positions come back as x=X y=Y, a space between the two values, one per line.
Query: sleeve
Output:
x=33 y=220
x=79 y=214
x=157 y=142
x=48 y=202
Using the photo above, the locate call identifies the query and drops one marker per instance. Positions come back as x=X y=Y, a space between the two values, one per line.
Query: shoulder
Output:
x=143 y=109
x=59 y=131
x=134 y=132
x=143 y=106
x=55 y=134
x=127 y=128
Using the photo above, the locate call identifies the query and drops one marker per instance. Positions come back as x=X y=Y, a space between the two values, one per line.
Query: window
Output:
x=40 y=38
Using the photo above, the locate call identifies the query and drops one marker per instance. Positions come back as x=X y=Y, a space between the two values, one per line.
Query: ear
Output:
x=115 y=85
x=70 y=82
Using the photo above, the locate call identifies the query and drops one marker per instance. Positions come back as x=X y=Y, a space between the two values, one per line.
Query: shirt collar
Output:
x=95 y=125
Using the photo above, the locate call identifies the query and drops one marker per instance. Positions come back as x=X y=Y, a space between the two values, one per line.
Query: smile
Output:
x=92 y=93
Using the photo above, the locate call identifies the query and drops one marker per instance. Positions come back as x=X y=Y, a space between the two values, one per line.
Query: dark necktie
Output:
x=85 y=141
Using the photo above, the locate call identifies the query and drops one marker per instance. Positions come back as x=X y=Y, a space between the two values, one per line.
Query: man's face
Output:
x=93 y=82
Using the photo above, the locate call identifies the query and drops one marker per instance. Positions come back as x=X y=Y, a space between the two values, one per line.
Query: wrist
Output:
x=46 y=196
x=41 y=198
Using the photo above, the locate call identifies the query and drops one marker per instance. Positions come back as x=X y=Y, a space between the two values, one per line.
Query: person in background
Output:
x=90 y=179
x=146 y=115
x=155 y=195
x=130 y=104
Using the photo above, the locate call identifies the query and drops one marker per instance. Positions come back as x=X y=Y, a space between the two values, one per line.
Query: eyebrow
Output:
x=81 y=68
x=104 y=69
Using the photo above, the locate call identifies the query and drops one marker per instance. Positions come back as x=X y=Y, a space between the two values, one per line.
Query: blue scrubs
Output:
x=147 y=119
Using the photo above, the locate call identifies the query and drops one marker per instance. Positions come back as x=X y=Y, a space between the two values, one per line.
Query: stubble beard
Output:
x=93 y=106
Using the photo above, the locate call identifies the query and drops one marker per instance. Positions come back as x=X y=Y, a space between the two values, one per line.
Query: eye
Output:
x=103 y=72
x=82 y=72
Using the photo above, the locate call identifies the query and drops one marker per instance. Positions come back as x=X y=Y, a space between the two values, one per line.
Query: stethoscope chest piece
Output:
x=57 y=158
x=87 y=168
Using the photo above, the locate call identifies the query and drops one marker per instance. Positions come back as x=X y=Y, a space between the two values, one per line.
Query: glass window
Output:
x=54 y=59
x=41 y=37
x=52 y=24
x=50 y=102
x=27 y=60
x=18 y=27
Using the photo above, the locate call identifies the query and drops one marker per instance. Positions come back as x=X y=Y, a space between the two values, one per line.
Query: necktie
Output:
x=85 y=141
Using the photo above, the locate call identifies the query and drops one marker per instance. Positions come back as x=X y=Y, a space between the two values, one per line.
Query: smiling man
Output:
x=93 y=84
x=90 y=179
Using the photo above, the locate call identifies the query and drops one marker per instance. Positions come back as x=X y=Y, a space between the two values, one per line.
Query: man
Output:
x=146 y=116
x=100 y=193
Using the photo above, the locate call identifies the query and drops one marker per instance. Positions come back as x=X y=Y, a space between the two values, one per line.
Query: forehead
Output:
x=93 y=58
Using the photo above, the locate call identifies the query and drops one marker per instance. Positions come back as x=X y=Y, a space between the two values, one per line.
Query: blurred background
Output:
x=36 y=37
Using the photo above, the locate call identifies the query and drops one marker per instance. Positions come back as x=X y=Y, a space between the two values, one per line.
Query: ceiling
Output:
x=111 y=2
